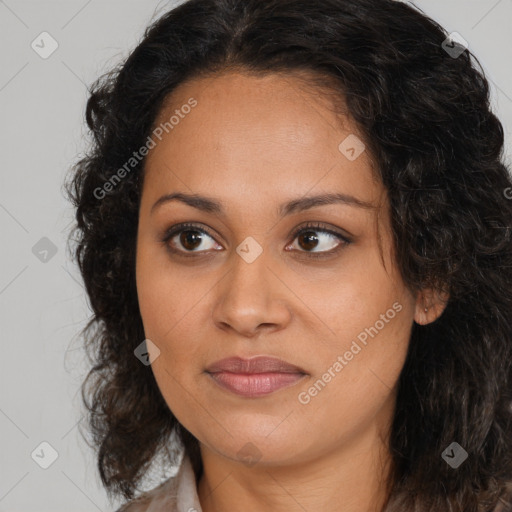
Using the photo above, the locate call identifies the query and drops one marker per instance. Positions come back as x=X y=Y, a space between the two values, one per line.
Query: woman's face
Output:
x=261 y=149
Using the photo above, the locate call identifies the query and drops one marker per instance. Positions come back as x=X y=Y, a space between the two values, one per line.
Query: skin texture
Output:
x=253 y=143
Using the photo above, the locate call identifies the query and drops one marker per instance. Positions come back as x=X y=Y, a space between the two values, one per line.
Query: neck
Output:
x=352 y=477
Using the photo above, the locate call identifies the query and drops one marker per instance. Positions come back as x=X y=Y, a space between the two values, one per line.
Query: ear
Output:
x=430 y=304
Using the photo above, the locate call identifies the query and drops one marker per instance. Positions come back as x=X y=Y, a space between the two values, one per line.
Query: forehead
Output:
x=257 y=136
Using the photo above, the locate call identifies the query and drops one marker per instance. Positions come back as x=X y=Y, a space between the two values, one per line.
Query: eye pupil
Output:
x=309 y=235
x=190 y=237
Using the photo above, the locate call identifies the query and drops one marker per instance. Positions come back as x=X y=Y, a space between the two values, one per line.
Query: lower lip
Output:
x=255 y=384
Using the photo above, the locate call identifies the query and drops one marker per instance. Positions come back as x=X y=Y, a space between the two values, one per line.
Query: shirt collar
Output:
x=187 y=499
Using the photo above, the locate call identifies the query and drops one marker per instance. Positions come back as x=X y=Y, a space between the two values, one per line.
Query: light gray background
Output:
x=43 y=304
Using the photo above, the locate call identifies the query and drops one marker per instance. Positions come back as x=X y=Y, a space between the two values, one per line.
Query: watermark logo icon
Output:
x=146 y=352
x=454 y=455
x=352 y=147
x=44 y=250
x=44 y=455
x=44 y=45
x=249 y=250
x=249 y=454
x=454 y=45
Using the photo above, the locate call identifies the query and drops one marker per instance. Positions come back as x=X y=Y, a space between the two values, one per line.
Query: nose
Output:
x=251 y=299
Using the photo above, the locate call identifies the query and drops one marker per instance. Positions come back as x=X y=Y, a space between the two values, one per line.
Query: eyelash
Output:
x=179 y=228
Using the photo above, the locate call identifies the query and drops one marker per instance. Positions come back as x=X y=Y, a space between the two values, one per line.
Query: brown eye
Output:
x=308 y=240
x=190 y=240
x=185 y=238
x=318 y=240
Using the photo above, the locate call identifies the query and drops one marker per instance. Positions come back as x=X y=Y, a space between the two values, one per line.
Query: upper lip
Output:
x=258 y=364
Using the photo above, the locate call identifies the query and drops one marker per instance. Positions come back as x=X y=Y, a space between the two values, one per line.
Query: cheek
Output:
x=355 y=382
x=366 y=320
x=355 y=298
x=163 y=295
x=170 y=307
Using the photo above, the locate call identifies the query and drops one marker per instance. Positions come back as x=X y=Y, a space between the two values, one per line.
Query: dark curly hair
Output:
x=426 y=119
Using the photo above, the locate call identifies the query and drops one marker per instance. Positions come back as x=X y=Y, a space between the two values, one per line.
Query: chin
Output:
x=251 y=449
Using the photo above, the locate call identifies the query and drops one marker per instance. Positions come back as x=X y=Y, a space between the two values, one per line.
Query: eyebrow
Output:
x=210 y=205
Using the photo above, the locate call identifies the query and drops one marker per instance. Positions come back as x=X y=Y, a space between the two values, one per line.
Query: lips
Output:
x=259 y=364
x=255 y=377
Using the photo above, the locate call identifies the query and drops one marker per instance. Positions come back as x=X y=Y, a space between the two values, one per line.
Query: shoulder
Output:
x=160 y=499
x=177 y=492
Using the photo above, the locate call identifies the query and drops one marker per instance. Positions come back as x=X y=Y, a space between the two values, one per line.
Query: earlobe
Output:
x=430 y=305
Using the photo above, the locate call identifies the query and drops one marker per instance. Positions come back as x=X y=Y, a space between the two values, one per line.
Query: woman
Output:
x=295 y=233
